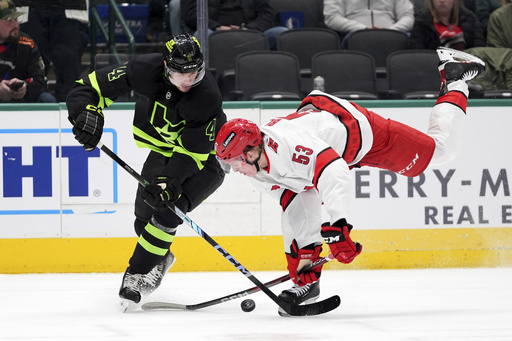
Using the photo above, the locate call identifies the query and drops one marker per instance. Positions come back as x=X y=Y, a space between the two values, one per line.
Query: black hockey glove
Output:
x=89 y=127
x=161 y=190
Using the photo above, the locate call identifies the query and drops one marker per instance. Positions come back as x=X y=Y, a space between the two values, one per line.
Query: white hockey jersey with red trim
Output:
x=304 y=150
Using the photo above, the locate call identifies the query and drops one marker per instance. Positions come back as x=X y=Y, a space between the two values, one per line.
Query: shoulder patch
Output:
x=26 y=41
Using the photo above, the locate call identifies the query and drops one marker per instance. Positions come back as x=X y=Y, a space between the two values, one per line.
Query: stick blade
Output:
x=316 y=308
x=165 y=306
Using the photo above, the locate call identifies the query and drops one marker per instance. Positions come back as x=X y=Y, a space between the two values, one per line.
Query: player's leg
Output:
x=447 y=116
x=407 y=151
x=300 y=224
x=152 y=259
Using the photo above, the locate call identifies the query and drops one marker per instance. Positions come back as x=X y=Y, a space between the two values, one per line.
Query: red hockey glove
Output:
x=310 y=252
x=338 y=239
x=88 y=127
x=162 y=189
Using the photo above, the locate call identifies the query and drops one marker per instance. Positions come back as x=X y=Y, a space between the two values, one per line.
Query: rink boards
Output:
x=65 y=210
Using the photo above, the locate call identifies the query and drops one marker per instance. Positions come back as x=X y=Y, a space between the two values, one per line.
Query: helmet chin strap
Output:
x=255 y=162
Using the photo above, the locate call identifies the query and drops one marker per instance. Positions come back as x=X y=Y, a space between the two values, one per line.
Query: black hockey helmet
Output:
x=183 y=54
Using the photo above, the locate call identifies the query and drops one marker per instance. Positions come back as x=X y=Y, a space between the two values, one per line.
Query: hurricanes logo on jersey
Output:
x=272 y=145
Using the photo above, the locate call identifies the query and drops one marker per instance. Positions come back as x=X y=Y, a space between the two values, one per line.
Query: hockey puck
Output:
x=248 y=305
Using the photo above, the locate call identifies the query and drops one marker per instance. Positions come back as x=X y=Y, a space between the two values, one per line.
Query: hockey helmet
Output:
x=182 y=54
x=234 y=136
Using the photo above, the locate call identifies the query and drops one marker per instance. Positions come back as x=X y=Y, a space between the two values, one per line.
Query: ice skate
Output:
x=456 y=65
x=130 y=289
x=134 y=285
x=152 y=280
x=308 y=293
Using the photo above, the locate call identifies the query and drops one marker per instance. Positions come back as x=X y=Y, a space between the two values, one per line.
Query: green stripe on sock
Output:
x=159 y=234
x=151 y=248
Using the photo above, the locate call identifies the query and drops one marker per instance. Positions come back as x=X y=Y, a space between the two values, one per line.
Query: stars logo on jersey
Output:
x=168 y=130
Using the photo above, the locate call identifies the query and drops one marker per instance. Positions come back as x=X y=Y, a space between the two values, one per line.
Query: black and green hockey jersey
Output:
x=181 y=126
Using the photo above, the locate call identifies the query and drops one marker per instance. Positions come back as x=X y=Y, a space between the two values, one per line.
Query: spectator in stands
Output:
x=498 y=65
x=469 y=4
x=498 y=52
x=157 y=24
x=483 y=10
x=233 y=15
x=21 y=68
x=347 y=16
x=499 y=31
x=59 y=29
x=175 y=19
x=446 y=23
x=418 y=5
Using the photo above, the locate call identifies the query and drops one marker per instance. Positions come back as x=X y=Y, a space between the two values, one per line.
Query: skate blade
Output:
x=127 y=305
x=458 y=56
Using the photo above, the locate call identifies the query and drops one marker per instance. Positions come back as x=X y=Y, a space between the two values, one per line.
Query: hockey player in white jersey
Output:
x=304 y=160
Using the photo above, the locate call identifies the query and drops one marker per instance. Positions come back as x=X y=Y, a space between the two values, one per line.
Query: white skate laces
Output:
x=299 y=291
x=135 y=285
x=469 y=75
x=152 y=280
x=306 y=294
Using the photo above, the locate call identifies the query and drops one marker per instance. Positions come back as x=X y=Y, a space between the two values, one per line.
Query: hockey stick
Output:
x=292 y=309
x=240 y=294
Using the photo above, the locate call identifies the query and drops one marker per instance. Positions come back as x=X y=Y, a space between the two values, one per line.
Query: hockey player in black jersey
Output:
x=177 y=115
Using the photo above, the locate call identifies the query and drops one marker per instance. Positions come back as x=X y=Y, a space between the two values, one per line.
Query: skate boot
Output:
x=135 y=285
x=130 y=289
x=305 y=294
x=152 y=280
x=456 y=65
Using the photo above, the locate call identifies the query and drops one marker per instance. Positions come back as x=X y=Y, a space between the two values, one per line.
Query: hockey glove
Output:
x=161 y=190
x=309 y=253
x=338 y=239
x=89 y=127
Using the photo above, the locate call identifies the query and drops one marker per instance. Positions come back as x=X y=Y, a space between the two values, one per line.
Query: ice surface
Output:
x=412 y=305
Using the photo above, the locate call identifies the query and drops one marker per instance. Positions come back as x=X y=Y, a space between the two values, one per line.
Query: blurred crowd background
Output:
x=275 y=49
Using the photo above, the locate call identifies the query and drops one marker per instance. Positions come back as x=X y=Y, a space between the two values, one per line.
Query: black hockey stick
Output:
x=240 y=294
x=317 y=308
